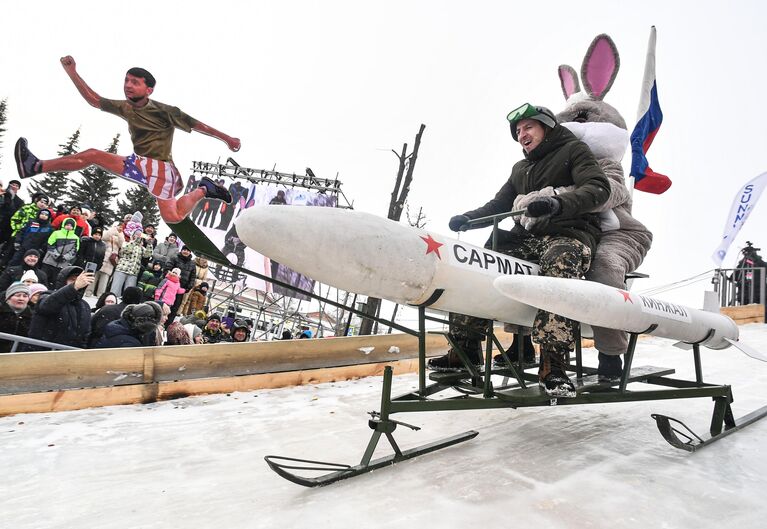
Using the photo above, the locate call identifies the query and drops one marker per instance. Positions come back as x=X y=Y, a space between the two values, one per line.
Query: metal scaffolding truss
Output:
x=273 y=312
x=265 y=176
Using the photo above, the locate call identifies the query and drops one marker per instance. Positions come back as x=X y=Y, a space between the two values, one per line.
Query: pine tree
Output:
x=96 y=187
x=3 y=117
x=55 y=184
x=139 y=199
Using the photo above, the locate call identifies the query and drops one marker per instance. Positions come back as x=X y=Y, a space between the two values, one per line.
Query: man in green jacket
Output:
x=561 y=241
x=63 y=245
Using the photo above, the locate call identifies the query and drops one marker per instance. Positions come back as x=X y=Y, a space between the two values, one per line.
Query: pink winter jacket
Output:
x=166 y=291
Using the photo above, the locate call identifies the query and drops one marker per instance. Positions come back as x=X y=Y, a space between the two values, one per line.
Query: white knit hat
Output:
x=29 y=274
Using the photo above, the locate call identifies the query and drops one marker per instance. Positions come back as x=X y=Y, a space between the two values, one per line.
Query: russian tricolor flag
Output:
x=648 y=122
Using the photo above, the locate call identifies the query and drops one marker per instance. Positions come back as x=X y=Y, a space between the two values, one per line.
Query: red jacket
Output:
x=82 y=229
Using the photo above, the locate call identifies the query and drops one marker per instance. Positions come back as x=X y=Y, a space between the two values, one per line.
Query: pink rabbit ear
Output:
x=568 y=78
x=600 y=66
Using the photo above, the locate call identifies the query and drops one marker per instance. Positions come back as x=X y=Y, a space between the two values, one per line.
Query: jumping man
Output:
x=151 y=125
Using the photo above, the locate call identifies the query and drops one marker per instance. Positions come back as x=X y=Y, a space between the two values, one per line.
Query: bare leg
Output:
x=174 y=210
x=76 y=162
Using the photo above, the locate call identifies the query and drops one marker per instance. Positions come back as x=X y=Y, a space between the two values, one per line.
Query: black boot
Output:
x=513 y=352
x=451 y=362
x=27 y=163
x=552 y=376
x=610 y=368
x=214 y=190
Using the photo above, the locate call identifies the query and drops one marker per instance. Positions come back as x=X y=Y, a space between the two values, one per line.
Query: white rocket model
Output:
x=606 y=306
x=363 y=253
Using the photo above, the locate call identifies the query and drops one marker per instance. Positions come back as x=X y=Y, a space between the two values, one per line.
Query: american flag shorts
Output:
x=160 y=178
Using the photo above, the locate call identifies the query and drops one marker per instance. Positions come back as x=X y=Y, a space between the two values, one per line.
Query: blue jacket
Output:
x=118 y=334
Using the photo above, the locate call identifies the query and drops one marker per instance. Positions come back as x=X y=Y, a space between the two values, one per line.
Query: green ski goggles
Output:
x=525 y=111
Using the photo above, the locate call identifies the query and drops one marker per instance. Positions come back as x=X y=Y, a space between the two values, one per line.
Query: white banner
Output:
x=216 y=220
x=744 y=203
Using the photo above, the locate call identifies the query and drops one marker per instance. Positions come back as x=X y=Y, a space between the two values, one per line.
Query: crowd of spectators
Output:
x=149 y=293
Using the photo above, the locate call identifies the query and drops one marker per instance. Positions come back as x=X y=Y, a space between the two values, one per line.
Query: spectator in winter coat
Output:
x=33 y=236
x=177 y=335
x=30 y=261
x=150 y=239
x=240 y=332
x=108 y=313
x=62 y=316
x=10 y=203
x=197 y=298
x=150 y=279
x=166 y=251
x=129 y=264
x=34 y=294
x=201 y=274
x=113 y=241
x=15 y=314
x=82 y=228
x=29 y=212
x=169 y=288
x=106 y=299
x=92 y=250
x=29 y=278
x=212 y=333
x=185 y=263
x=199 y=319
x=63 y=245
x=134 y=328
x=194 y=332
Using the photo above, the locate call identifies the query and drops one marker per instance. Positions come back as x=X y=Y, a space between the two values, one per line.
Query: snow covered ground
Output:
x=198 y=462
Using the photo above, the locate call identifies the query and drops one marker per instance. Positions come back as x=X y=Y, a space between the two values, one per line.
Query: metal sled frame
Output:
x=473 y=389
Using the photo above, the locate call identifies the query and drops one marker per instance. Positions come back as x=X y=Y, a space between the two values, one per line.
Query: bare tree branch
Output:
x=398 y=182
x=399 y=203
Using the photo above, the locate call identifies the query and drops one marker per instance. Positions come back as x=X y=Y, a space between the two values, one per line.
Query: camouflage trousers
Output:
x=557 y=257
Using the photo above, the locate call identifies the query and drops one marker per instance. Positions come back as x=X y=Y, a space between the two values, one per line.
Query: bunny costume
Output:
x=624 y=241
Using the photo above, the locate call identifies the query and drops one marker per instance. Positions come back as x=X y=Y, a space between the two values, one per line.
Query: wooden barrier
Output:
x=745 y=313
x=67 y=380
x=76 y=399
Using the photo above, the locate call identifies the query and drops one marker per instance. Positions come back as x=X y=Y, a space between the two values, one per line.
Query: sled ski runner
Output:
x=514 y=386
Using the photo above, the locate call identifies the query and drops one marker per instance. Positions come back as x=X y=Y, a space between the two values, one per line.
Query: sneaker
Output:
x=552 y=376
x=513 y=354
x=26 y=163
x=610 y=368
x=214 y=190
x=451 y=362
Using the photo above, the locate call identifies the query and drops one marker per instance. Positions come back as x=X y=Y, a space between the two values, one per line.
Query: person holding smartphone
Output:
x=62 y=316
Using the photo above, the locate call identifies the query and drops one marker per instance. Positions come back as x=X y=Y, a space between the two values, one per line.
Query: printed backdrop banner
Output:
x=744 y=203
x=216 y=220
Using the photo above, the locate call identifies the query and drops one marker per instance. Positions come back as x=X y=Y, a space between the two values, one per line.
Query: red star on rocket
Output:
x=626 y=296
x=432 y=245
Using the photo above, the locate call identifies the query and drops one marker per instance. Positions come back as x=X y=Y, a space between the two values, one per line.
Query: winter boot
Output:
x=513 y=352
x=451 y=362
x=610 y=368
x=214 y=190
x=26 y=163
x=552 y=376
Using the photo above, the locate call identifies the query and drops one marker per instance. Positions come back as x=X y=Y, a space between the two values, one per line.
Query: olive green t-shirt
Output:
x=151 y=126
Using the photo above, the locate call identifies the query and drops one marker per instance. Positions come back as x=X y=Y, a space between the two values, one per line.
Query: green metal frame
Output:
x=473 y=389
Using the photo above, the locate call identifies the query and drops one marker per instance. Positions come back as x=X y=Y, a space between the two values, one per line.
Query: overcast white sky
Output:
x=335 y=85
